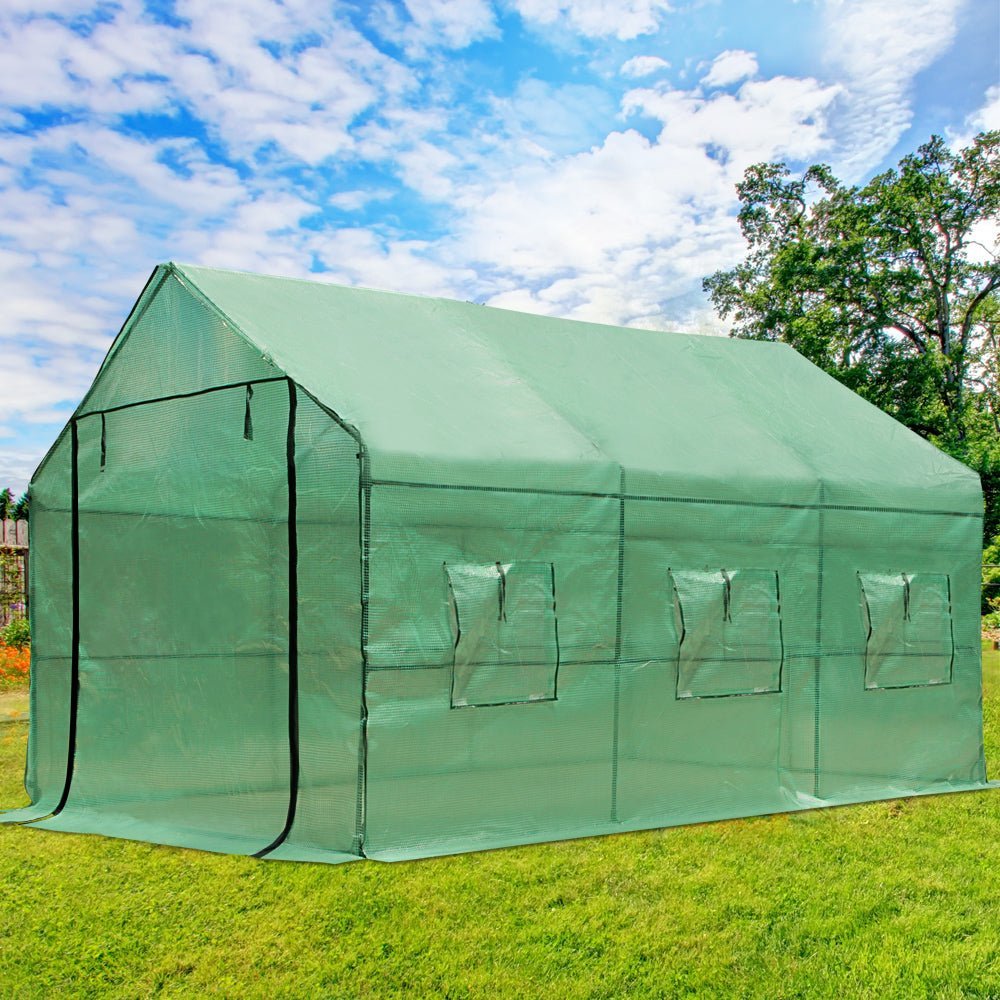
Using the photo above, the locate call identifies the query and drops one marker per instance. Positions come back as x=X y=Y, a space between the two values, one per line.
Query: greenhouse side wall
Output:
x=462 y=766
x=733 y=684
x=900 y=686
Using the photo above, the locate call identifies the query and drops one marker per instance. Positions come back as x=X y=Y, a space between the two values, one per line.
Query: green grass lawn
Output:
x=896 y=899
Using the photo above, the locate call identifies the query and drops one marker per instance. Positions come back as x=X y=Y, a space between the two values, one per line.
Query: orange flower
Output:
x=15 y=665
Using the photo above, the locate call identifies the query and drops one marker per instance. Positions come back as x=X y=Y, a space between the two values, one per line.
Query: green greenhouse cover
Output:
x=321 y=573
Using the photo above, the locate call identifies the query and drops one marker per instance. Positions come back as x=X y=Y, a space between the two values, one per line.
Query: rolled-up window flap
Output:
x=502 y=595
x=247 y=417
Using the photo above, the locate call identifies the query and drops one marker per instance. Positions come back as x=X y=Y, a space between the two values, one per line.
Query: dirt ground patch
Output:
x=13 y=704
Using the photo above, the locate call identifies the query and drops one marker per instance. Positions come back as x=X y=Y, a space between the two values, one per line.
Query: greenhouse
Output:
x=321 y=573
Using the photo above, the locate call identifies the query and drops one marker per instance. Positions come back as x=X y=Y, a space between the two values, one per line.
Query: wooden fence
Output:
x=13 y=570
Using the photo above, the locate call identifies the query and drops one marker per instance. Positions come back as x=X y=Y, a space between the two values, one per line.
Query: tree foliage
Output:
x=11 y=509
x=21 y=507
x=893 y=287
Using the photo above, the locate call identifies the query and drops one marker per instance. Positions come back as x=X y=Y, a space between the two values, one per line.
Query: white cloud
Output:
x=783 y=117
x=359 y=198
x=47 y=64
x=639 y=66
x=424 y=168
x=302 y=100
x=258 y=72
x=430 y=25
x=987 y=117
x=65 y=8
x=877 y=48
x=256 y=221
x=16 y=467
x=362 y=257
x=195 y=182
x=622 y=19
x=615 y=233
x=455 y=25
x=984 y=119
x=730 y=67
x=33 y=390
x=556 y=119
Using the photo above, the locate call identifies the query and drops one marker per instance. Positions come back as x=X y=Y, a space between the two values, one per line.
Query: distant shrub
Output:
x=16 y=633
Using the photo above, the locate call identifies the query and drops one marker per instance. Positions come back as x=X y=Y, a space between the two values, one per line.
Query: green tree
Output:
x=891 y=287
x=21 y=507
x=6 y=504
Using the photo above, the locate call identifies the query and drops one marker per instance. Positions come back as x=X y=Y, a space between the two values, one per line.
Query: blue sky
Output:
x=570 y=157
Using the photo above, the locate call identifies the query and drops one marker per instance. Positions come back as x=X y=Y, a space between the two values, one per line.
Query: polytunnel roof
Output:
x=454 y=392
